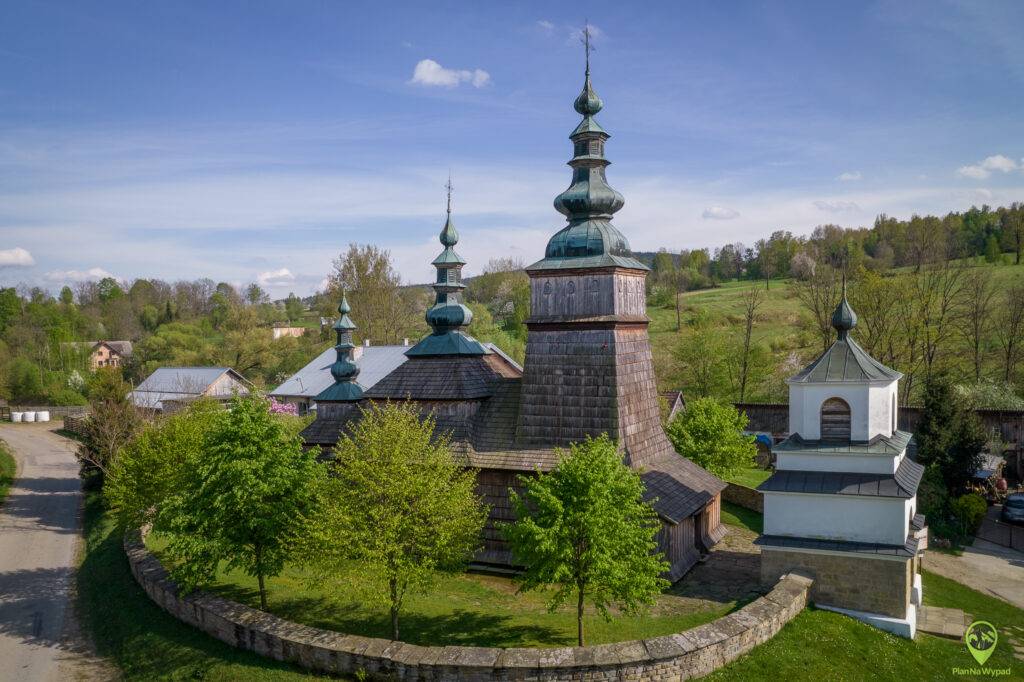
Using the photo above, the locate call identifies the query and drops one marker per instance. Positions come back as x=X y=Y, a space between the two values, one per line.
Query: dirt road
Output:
x=40 y=529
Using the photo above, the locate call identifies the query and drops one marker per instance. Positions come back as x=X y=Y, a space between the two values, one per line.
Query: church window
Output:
x=835 y=420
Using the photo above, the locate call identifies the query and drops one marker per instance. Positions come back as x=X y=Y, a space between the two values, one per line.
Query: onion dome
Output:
x=844 y=318
x=448 y=317
x=590 y=239
x=344 y=370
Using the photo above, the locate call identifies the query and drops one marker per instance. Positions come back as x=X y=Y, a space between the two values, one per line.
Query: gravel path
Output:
x=40 y=529
x=988 y=568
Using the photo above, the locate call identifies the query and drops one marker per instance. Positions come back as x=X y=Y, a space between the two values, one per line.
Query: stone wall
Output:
x=743 y=496
x=689 y=654
x=849 y=581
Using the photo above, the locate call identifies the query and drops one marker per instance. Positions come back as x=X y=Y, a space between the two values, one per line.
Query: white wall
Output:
x=837 y=517
x=870 y=408
x=855 y=464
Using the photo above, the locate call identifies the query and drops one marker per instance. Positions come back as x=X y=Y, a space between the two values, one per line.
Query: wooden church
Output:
x=588 y=369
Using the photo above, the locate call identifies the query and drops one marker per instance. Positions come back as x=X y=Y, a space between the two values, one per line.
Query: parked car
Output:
x=1013 y=509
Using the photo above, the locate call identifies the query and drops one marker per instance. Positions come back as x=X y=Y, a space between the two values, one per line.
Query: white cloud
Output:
x=982 y=193
x=849 y=176
x=272 y=278
x=983 y=169
x=77 y=275
x=546 y=26
x=430 y=73
x=719 y=213
x=836 y=206
x=16 y=258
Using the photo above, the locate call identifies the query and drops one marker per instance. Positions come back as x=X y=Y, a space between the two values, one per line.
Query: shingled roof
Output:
x=845 y=361
x=903 y=484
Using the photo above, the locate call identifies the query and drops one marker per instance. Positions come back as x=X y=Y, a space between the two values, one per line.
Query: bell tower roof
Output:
x=344 y=370
x=590 y=239
x=448 y=317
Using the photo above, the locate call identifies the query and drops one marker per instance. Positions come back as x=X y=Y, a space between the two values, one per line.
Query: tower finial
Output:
x=449 y=188
x=585 y=39
x=844 y=318
x=344 y=370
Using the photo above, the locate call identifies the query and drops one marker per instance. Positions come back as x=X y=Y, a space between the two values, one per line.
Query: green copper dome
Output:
x=844 y=318
x=590 y=239
x=344 y=370
x=448 y=317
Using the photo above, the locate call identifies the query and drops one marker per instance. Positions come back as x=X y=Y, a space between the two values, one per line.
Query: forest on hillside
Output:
x=934 y=294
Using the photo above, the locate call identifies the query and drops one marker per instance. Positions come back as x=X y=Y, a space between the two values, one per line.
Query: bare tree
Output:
x=818 y=292
x=936 y=290
x=751 y=302
x=1009 y=327
x=976 y=314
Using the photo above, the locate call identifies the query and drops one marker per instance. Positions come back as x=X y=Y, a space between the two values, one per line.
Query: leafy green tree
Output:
x=10 y=307
x=293 y=307
x=113 y=422
x=245 y=502
x=108 y=289
x=585 y=530
x=711 y=435
x=66 y=295
x=399 y=505
x=993 y=254
x=701 y=355
x=156 y=463
x=949 y=435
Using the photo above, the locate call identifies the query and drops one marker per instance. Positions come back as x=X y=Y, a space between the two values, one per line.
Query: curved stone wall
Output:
x=685 y=655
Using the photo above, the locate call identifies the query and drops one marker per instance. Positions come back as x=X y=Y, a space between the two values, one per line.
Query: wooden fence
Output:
x=56 y=411
x=995 y=531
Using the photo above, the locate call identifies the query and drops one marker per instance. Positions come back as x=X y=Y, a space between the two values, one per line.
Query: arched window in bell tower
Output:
x=835 y=420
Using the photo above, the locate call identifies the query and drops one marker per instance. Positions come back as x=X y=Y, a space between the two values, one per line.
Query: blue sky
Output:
x=252 y=141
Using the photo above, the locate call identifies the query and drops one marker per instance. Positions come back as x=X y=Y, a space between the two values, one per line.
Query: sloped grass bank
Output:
x=137 y=636
x=462 y=610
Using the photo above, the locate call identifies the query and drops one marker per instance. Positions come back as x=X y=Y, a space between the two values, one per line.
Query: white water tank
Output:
x=16 y=417
x=43 y=416
x=30 y=416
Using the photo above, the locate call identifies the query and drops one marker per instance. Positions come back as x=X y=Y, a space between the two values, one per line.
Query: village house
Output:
x=102 y=353
x=842 y=503
x=168 y=389
x=279 y=332
x=588 y=369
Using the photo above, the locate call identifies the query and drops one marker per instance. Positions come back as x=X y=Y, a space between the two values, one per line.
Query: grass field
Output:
x=821 y=645
x=465 y=609
x=8 y=467
x=782 y=326
x=751 y=477
x=139 y=638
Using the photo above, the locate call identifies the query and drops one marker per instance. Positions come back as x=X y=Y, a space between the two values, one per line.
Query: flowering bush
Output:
x=283 y=408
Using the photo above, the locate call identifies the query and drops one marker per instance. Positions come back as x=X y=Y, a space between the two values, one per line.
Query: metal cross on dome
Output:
x=585 y=39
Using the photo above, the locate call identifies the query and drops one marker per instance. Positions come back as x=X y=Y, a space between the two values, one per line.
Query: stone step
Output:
x=942 y=622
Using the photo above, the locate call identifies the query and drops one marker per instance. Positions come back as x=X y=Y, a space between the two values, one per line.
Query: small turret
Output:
x=344 y=370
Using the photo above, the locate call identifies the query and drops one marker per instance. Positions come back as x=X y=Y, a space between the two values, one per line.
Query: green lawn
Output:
x=820 y=645
x=142 y=640
x=8 y=467
x=735 y=515
x=751 y=478
x=466 y=609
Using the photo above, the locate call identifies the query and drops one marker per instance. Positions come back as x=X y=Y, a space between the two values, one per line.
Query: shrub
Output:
x=969 y=510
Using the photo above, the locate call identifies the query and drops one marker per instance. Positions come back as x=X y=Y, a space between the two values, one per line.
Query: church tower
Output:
x=842 y=503
x=588 y=363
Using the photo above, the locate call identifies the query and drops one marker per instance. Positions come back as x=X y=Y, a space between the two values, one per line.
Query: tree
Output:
x=254 y=295
x=399 y=505
x=993 y=254
x=819 y=292
x=752 y=300
x=585 y=530
x=245 y=502
x=293 y=307
x=711 y=435
x=949 y=434
x=977 y=315
x=372 y=285
x=156 y=463
x=66 y=295
x=1009 y=328
x=113 y=421
x=700 y=352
